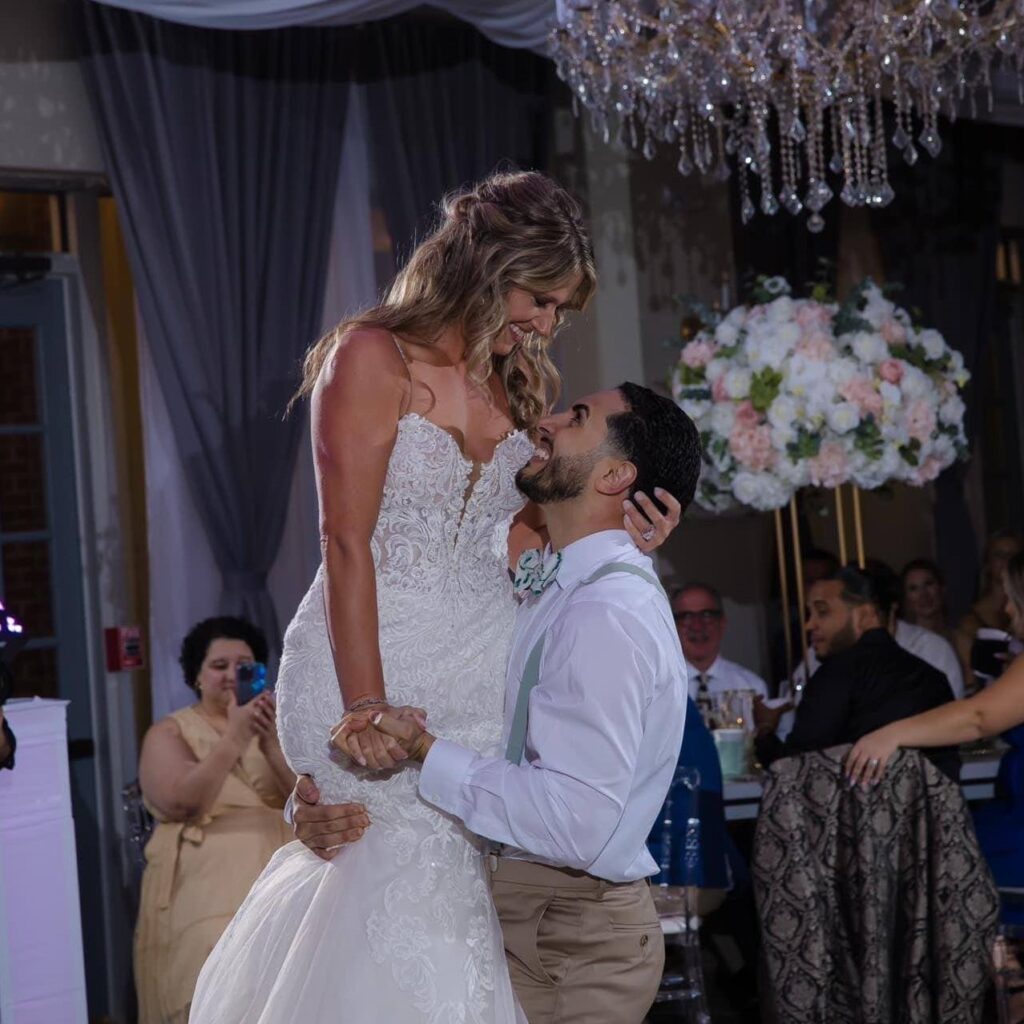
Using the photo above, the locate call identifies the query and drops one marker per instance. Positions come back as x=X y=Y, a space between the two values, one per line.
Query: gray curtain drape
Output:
x=223 y=151
x=447 y=107
x=939 y=241
x=518 y=23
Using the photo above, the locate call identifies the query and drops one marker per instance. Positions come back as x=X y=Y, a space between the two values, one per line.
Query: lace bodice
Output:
x=444 y=600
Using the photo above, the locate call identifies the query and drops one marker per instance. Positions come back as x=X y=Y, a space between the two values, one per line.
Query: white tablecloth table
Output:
x=42 y=976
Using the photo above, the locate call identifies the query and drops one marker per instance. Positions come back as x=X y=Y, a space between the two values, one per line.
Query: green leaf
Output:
x=806 y=446
x=868 y=438
x=764 y=388
x=910 y=452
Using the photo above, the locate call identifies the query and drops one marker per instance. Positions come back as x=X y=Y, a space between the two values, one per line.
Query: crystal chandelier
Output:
x=788 y=91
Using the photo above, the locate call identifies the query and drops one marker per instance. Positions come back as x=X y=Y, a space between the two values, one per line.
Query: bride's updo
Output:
x=512 y=230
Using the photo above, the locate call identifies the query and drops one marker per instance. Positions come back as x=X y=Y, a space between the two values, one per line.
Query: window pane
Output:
x=26 y=585
x=19 y=400
x=22 y=493
x=35 y=673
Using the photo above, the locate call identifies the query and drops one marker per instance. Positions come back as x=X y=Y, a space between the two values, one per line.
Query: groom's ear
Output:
x=617 y=477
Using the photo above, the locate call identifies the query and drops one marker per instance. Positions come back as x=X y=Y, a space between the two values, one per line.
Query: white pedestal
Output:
x=42 y=977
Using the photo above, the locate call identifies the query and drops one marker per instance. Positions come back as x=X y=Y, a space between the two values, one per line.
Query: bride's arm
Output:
x=356 y=406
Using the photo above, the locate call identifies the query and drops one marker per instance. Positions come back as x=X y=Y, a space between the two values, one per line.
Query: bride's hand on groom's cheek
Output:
x=646 y=524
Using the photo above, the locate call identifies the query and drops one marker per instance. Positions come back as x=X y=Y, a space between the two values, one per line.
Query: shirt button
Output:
x=643 y=940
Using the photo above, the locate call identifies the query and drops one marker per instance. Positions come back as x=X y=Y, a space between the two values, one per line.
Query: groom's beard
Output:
x=563 y=478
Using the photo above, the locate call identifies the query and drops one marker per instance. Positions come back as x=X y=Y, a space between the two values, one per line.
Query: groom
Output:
x=594 y=708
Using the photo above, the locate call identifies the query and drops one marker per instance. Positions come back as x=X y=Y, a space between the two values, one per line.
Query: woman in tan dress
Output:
x=214 y=777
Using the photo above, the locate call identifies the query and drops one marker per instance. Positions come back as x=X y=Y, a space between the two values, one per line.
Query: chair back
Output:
x=861 y=893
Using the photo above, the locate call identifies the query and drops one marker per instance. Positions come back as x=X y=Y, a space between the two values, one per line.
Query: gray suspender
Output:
x=531 y=672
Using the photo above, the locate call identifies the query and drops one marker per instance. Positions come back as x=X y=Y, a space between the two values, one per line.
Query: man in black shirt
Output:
x=865 y=681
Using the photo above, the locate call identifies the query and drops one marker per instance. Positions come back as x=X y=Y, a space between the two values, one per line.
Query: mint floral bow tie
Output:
x=533 y=573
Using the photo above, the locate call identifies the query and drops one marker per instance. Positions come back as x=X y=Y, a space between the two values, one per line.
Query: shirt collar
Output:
x=708 y=672
x=583 y=556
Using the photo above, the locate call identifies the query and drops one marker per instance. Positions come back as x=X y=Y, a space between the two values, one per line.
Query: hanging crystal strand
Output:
x=682 y=123
x=722 y=163
x=882 y=193
x=834 y=116
x=847 y=133
x=746 y=203
x=818 y=192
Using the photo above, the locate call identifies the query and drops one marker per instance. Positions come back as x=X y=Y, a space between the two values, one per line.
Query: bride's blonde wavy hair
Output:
x=511 y=230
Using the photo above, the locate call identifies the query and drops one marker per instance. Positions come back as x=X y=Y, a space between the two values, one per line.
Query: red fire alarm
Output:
x=124 y=648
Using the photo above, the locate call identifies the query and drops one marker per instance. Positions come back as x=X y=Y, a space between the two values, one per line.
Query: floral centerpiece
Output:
x=790 y=392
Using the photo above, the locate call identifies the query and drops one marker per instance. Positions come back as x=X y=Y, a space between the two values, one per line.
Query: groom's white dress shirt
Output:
x=604 y=730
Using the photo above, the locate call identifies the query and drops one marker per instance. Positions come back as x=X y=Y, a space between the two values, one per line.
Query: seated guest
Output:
x=923 y=597
x=922 y=642
x=866 y=679
x=700 y=622
x=989 y=611
x=8 y=743
x=214 y=777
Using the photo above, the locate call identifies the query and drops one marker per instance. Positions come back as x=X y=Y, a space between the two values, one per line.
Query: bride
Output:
x=421 y=410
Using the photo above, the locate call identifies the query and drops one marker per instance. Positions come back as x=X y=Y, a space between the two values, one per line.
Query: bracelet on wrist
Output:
x=366 y=702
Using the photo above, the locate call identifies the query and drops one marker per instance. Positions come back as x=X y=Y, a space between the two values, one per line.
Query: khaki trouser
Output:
x=580 y=950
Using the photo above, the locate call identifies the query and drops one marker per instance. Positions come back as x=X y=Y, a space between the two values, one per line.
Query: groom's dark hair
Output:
x=660 y=440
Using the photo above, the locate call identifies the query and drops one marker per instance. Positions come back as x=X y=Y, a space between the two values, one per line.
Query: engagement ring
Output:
x=648 y=535
x=873 y=761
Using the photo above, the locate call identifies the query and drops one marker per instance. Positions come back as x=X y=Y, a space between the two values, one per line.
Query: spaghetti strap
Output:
x=401 y=352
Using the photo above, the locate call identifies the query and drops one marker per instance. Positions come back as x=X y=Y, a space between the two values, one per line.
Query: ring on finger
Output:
x=873 y=762
x=648 y=534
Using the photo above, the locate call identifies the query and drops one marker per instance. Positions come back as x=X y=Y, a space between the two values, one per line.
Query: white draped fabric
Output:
x=516 y=23
x=185 y=582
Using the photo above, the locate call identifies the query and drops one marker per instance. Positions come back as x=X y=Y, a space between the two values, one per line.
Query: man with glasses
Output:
x=700 y=622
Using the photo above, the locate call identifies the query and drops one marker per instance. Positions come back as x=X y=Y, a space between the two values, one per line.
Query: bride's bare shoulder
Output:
x=365 y=351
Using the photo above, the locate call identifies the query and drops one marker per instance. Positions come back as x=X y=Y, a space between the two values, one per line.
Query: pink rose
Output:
x=893 y=332
x=891 y=370
x=862 y=392
x=812 y=317
x=828 y=467
x=921 y=420
x=815 y=345
x=928 y=470
x=718 y=392
x=752 y=447
x=746 y=415
x=698 y=353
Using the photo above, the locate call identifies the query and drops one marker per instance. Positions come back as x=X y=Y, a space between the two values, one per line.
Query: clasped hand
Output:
x=382 y=737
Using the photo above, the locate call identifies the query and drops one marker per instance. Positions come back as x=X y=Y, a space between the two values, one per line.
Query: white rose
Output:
x=841 y=371
x=877 y=308
x=726 y=334
x=956 y=361
x=805 y=374
x=762 y=491
x=843 y=417
x=952 y=410
x=782 y=436
x=783 y=412
x=715 y=369
x=890 y=393
x=736 y=317
x=869 y=347
x=932 y=342
x=723 y=416
x=737 y=383
x=695 y=408
x=781 y=310
x=916 y=383
x=794 y=474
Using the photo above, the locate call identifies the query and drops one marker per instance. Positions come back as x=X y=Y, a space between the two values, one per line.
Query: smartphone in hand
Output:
x=250 y=681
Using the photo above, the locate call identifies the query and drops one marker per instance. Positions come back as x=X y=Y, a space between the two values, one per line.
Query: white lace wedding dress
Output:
x=399 y=928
